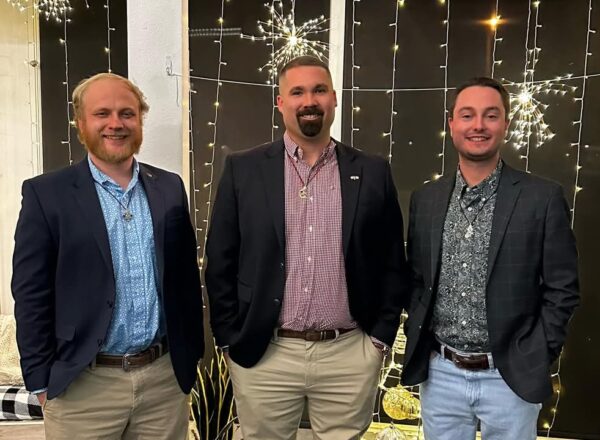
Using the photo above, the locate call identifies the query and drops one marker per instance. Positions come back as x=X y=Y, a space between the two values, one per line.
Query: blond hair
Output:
x=79 y=92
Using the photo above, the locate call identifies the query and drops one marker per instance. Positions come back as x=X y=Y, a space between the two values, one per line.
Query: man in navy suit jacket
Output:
x=106 y=284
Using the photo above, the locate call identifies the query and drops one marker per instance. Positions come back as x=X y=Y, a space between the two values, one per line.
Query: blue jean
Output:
x=453 y=400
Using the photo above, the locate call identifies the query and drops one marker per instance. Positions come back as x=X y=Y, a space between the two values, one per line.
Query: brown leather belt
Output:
x=134 y=360
x=468 y=362
x=312 y=335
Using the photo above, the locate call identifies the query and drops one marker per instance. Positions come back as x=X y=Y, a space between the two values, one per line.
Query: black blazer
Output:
x=245 y=274
x=532 y=286
x=63 y=281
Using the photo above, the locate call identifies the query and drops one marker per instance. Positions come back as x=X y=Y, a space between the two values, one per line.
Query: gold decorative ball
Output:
x=400 y=404
x=391 y=433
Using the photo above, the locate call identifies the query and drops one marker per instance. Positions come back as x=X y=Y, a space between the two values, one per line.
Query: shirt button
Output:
x=464 y=264
x=463 y=294
x=464 y=323
x=309 y=259
x=469 y=209
x=310 y=228
x=306 y=289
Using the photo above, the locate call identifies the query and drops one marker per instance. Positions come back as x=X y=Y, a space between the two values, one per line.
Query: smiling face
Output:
x=307 y=103
x=478 y=124
x=110 y=125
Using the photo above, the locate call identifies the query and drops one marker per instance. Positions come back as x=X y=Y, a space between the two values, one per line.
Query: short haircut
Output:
x=79 y=92
x=304 y=60
x=482 y=81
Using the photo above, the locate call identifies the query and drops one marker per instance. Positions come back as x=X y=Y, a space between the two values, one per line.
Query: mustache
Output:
x=312 y=110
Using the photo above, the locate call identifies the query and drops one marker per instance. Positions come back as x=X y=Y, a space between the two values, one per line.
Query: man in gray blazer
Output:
x=494 y=271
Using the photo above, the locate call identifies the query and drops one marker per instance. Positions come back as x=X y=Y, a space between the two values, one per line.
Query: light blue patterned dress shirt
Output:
x=136 y=315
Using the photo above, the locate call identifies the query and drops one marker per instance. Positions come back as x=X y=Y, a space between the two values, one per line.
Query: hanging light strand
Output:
x=579 y=121
x=355 y=67
x=109 y=29
x=274 y=127
x=496 y=40
x=444 y=67
x=64 y=42
x=212 y=145
x=390 y=134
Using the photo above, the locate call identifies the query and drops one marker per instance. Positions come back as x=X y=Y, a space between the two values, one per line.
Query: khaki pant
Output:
x=336 y=379
x=110 y=403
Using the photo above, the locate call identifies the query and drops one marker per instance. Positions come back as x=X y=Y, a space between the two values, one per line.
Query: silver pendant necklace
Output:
x=127 y=215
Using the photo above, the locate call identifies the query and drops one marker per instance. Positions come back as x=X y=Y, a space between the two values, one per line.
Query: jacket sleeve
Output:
x=395 y=273
x=560 y=283
x=222 y=251
x=34 y=265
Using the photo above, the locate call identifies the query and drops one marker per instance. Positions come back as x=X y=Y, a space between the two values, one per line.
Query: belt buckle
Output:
x=125 y=364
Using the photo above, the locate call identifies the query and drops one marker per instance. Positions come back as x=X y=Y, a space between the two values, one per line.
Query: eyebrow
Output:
x=487 y=109
x=320 y=85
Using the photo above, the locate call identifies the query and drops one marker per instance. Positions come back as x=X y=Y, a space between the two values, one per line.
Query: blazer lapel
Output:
x=350 y=178
x=156 y=202
x=508 y=193
x=87 y=199
x=438 y=216
x=274 y=181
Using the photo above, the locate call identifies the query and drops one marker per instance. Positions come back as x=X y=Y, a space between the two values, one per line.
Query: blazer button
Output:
x=277 y=301
x=430 y=289
x=100 y=342
x=281 y=265
x=109 y=303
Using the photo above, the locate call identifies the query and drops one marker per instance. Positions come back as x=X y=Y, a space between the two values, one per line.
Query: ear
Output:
x=279 y=103
x=335 y=97
x=450 y=122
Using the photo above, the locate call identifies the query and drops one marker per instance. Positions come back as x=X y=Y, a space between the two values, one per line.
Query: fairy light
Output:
x=390 y=134
x=49 y=9
x=70 y=123
x=529 y=127
x=109 y=29
x=355 y=67
x=444 y=67
x=496 y=40
x=579 y=122
x=212 y=145
x=274 y=127
x=296 y=39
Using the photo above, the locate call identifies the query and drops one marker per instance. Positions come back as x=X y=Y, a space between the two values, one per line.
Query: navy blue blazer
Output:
x=63 y=281
x=532 y=282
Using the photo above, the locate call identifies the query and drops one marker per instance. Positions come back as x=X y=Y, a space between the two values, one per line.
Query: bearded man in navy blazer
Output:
x=494 y=269
x=306 y=270
x=106 y=284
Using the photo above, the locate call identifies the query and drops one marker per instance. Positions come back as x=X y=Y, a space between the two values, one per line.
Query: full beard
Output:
x=98 y=149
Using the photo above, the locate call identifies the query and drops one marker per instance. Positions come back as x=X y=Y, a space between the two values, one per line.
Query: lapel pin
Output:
x=354 y=177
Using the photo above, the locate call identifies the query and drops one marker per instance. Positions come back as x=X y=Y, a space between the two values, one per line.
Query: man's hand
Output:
x=42 y=398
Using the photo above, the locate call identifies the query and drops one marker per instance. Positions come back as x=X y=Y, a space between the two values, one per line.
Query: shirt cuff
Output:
x=40 y=391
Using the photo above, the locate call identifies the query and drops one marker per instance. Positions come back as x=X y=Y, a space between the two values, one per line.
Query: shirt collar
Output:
x=295 y=151
x=104 y=179
x=485 y=188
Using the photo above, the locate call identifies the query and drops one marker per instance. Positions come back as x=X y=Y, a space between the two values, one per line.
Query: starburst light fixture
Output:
x=289 y=40
x=49 y=9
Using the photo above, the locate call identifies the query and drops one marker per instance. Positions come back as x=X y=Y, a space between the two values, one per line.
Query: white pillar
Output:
x=155 y=35
x=20 y=127
x=337 y=23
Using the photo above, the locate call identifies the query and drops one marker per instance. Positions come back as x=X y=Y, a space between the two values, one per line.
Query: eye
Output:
x=465 y=116
x=128 y=114
x=320 y=91
x=101 y=114
x=493 y=117
x=296 y=93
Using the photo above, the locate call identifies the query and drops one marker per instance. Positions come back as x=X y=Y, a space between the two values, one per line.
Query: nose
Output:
x=478 y=123
x=115 y=121
x=308 y=100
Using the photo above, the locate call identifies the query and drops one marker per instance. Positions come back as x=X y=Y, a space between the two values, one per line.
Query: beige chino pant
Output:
x=107 y=403
x=336 y=379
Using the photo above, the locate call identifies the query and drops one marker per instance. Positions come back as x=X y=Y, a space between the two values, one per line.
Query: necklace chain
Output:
x=127 y=215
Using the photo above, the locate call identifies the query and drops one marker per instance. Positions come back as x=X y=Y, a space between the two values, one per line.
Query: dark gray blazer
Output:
x=532 y=286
